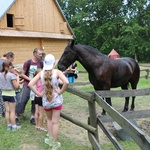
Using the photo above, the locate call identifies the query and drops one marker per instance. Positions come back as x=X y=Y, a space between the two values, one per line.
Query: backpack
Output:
x=29 y=63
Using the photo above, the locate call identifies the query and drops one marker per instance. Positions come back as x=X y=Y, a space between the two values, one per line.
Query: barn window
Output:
x=10 y=20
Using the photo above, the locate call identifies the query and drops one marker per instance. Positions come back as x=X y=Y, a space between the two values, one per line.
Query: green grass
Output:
x=28 y=138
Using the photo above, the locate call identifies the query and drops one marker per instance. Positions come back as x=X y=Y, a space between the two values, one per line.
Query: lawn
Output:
x=71 y=136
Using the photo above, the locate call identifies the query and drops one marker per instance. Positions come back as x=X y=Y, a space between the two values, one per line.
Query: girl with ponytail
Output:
x=9 y=82
x=51 y=97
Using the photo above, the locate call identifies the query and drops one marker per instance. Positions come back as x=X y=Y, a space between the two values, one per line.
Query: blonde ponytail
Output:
x=48 y=85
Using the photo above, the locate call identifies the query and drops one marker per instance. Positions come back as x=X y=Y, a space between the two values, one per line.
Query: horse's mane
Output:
x=90 y=49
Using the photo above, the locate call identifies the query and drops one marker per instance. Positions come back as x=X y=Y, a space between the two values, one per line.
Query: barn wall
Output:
x=36 y=15
x=55 y=47
x=23 y=47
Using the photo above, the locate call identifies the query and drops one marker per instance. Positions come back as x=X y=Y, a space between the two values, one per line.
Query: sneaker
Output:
x=47 y=135
x=9 y=128
x=17 y=122
x=16 y=128
x=56 y=145
x=32 y=121
x=49 y=141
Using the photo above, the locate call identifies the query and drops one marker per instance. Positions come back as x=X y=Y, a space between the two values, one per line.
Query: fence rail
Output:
x=137 y=135
x=147 y=73
x=142 y=140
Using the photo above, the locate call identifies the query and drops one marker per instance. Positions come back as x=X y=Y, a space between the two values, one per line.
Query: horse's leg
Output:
x=108 y=100
x=132 y=104
x=126 y=105
x=133 y=85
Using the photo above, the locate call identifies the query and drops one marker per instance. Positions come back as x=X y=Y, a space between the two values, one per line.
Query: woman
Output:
x=51 y=98
x=9 y=82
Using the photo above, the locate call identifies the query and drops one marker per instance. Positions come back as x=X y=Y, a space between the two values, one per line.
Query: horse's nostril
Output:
x=62 y=68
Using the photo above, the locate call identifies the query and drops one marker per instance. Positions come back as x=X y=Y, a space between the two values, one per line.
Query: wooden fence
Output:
x=141 y=139
x=147 y=75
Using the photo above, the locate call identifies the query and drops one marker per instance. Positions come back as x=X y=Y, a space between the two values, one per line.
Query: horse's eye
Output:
x=66 y=52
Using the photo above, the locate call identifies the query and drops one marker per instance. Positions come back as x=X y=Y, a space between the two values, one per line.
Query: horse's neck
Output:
x=86 y=60
x=88 y=57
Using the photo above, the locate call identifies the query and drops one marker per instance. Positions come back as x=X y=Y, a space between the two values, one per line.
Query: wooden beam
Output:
x=128 y=115
x=142 y=139
x=109 y=135
x=123 y=93
x=86 y=96
x=94 y=142
x=81 y=124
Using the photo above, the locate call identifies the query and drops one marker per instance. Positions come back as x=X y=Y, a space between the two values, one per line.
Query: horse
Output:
x=104 y=73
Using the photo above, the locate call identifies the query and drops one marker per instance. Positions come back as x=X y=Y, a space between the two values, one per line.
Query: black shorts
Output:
x=38 y=100
x=11 y=99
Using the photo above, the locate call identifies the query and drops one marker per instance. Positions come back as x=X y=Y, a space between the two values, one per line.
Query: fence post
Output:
x=147 y=73
x=93 y=117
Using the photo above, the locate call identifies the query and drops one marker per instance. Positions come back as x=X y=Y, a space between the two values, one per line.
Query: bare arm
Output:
x=64 y=81
x=33 y=82
x=22 y=75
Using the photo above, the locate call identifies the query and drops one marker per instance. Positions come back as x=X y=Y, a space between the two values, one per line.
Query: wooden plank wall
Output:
x=36 y=15
x=23 y=47
x=55 y=47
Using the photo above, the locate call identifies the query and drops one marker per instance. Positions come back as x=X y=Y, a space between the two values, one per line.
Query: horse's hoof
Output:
x=125 y=110
x=103 y=113
x=131 y=109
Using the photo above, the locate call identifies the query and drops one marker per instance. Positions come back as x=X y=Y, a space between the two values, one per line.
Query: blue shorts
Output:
x=11 y=99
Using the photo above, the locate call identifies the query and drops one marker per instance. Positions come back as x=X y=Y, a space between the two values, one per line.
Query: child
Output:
x=51 y=98
x=39 y=111
x=8 y=83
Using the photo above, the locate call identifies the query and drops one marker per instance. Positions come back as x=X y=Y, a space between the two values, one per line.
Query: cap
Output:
x=49 y=62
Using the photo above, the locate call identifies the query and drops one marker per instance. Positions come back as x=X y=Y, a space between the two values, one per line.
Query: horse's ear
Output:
x=72 y=43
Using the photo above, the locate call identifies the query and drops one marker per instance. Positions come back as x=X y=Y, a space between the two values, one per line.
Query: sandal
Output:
x=42 y=129
x=37 y=127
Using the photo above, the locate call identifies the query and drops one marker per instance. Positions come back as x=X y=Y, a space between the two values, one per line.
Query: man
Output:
x=29 y=67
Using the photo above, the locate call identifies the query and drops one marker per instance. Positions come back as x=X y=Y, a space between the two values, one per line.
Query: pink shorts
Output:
x=55 y=108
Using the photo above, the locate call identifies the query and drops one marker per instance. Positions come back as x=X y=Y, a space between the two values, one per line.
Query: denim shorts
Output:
x=11 y=99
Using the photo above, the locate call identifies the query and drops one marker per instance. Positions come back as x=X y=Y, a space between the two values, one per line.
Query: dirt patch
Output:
x=79 y=135
x=144 y=125
x=29 y=147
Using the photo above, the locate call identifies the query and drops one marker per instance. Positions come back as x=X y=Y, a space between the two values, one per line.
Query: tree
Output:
x=105 y=24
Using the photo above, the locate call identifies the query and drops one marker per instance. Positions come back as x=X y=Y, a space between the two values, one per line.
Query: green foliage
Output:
x=106 y=25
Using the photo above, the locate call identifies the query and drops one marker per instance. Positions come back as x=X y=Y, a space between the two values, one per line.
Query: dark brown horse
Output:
x=104 y=72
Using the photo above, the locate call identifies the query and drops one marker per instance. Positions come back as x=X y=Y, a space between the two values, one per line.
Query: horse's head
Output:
x=68 y=57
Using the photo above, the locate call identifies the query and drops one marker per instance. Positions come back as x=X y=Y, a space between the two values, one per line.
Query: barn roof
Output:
x=113 y=52
x=17 y=33
x=4 y=6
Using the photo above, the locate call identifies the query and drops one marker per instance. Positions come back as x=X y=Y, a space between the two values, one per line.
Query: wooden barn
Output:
x=27 y=24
